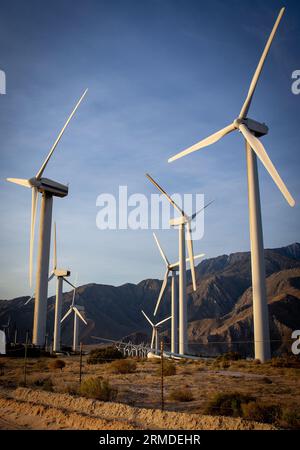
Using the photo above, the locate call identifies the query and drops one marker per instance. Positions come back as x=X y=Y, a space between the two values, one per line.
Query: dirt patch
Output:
x=62 y=411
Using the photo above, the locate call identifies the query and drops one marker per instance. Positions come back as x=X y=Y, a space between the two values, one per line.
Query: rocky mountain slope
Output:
x=220 y=311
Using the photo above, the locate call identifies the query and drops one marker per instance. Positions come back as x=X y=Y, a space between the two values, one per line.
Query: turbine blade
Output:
x=34 y=194
x=259 y=68
x=191 y=255
x=199 y=211
x=161 y=250
x=30 y=298
x=54 y=249
x=19 y=181
x=260 y=151
x=74 y=292
x=153 y=337
x=165 y=194
x=40 y=172
x=200 y=255
x=145 y=315
x=67 y=281
x=67 y=314
x=73 y=298
x=204 y=143
x=163 y=321
x=51 y=276
x=79 y=315
x=163 y=287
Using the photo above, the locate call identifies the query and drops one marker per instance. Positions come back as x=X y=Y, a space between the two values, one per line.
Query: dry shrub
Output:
x=229 y=356
x=182 y=361
x=39 y=381
x=290 y=418
x=97 y=388
x=181 y=395
x=286 y=361
x=266 y=380
x=40 y=365
x=154 y=360
x=123 y=366
x=68 y=388
x=227 y=404
x=104 y=355
x=2 y=365
x=261 y=412
x=169 y=369
x=57 y=364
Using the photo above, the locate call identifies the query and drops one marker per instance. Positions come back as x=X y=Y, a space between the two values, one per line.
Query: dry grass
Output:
x=97 y=388
x=181 y=395
x=273 y=385
x=123 y=366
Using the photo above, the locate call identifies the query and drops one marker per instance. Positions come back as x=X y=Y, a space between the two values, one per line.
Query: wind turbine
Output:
x=155 y=327
x=251 y=131
x=173 y=268
x=184 y=221
x=76 y=309
x=60 y=275
x=48 y=189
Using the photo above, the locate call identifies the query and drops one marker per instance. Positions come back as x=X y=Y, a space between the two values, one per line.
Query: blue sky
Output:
x=161 y=76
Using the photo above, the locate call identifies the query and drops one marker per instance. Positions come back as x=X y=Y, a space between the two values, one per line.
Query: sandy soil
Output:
x=138 y=394
x=34 y=409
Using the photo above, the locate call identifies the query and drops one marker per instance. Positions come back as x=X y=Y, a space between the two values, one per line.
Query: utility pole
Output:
x=80 y=363
x=25 y=358
x=162 y=374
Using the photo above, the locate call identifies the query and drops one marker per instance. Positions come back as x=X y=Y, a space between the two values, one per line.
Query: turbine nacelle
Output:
x=257 y=128
x=182 y=220
x=50 y=186
x=62 y=272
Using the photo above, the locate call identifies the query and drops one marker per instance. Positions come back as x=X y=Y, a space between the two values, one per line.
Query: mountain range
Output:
x=219 y=311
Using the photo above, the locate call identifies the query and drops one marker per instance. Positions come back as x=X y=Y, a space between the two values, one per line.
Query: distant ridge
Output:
x=219 y=311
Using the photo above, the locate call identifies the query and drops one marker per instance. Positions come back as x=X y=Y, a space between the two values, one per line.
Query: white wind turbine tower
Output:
x=77 y=310
x=48 y=189
x=251 y=131
x=184 y=221
x=173 y=268
x=60 y=275
x=155 y=326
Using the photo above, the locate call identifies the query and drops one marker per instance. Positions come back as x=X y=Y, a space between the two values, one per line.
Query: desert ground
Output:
x=51 y=398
